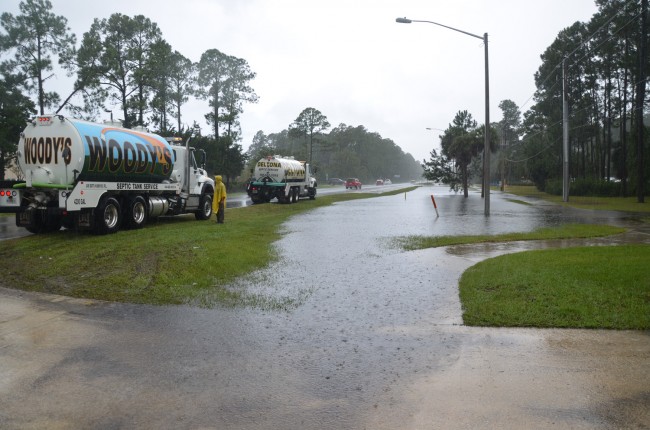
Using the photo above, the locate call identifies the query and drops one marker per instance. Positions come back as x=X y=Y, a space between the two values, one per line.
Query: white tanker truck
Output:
x=99 y=177
x=283 y=178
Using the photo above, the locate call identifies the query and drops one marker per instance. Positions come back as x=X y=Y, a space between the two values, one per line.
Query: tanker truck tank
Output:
x=279 y=169
x=58 y=151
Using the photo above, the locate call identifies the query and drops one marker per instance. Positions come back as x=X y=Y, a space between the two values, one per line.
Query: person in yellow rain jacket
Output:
x=219 y=201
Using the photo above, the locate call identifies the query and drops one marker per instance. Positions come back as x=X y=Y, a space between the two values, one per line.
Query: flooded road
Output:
x=371 y=338
x=8 y=229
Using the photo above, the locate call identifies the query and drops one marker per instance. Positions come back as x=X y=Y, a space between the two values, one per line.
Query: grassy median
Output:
x=171 y=261
x=566 y=231
x=624 y=204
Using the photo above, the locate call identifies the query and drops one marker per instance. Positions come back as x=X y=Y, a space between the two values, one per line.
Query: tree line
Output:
x=604 y=75
x=342 y=152
x=125 y=61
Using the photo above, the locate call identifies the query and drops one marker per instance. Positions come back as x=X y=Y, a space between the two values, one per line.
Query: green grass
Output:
x=521 y=202
x=566 y=231
x=624 y=204
x=583 y=287
x=171 y=261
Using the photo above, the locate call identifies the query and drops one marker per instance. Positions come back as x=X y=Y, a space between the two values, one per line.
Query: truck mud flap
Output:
x=84 y=219
x=39 y=220
x=25 y=218
x=34 y=217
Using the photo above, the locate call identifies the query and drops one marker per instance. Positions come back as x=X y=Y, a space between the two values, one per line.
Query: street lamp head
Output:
x=403 y=20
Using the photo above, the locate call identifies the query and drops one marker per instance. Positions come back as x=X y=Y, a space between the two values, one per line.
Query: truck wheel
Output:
x=294 y=195
x=108 y=216
x=36 y=224
x=205 y=207
x=52 y=223
x=312 y=194
x=135 y=215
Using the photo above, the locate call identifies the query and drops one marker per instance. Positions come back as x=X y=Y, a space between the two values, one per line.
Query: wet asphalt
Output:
x=371 y=338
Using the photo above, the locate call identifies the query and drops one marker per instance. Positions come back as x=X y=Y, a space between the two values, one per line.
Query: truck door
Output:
x=195 y=175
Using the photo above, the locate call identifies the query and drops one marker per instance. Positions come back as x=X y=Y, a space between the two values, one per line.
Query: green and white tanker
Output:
x=282 y=178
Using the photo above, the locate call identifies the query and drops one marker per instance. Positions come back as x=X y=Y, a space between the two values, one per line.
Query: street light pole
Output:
x=486 y=149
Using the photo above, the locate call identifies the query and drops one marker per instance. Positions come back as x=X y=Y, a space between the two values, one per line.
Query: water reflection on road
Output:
x=8 y=229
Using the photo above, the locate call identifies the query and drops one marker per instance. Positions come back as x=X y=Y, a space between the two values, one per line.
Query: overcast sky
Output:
x=352 y=61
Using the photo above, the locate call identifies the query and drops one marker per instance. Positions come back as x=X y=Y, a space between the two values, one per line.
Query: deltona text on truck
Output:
x=282 y=178
x=103 y=177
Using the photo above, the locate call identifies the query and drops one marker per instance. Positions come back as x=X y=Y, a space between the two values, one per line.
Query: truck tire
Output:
x=294 y=195
x=52 y=223
x=34 y=228
x=108 y=216
x=205 y=207
x=135 y=215
x=312 y=194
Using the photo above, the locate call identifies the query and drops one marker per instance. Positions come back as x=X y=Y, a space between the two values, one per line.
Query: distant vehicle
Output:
x=284 y=178
x=379 y=182
x=336 y=181
x=388 y=182
x=352 y=183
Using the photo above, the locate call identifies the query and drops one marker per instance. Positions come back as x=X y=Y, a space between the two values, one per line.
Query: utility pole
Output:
x=486 y=146
x=640 y=97
x=565 y=134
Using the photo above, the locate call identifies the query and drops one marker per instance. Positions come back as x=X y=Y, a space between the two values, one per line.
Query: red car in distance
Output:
x=352 y=183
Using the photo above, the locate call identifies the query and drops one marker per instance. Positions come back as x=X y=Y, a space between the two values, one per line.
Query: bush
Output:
x=553 y=187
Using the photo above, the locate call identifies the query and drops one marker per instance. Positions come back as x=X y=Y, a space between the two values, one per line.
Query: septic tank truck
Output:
x=102 y=177
x=283 y=178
